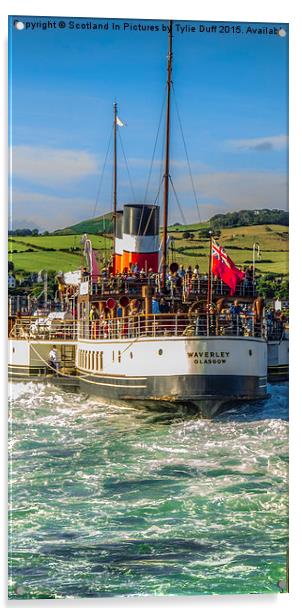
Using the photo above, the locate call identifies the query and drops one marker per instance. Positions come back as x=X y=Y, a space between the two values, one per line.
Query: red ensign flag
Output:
x=224 y=268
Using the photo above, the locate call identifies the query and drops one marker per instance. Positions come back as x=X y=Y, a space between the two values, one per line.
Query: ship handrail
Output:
x=139 y=325
x=188 y=287
x=31 y=328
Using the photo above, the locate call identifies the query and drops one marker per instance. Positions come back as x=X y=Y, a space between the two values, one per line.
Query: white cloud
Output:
x=48 y=166
x=260 y=144
x=51 y=212
x=239 y=190
x=220 y=192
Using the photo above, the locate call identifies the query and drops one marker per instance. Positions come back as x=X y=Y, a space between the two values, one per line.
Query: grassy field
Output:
x=65 y=253
x=238 y=242
x=55 y=241
x=34 y=254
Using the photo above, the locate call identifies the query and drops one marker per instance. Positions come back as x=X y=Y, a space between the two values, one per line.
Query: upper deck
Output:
x=138 y=325
x=186 y=289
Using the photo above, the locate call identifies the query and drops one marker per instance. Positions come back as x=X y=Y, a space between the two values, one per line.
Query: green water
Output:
x=109 y=501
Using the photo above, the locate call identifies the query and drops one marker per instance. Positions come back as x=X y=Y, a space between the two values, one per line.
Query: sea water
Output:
x=109 y=500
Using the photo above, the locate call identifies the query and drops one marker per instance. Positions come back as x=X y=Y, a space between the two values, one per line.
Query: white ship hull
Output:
x=277 y=358
x=200 y=372
x=205 y=372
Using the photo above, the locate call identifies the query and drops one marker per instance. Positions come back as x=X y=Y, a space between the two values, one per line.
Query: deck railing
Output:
x=184 y=288
x=136 y=326
x=37 y=328
x=154 y=325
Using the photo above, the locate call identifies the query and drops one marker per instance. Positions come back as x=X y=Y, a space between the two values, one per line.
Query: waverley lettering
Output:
x=209 y=357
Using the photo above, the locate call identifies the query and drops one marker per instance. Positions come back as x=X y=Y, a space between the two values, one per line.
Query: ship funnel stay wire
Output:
x=155 y=146
x=151 y=167
x=127 y=167
x=158 y=192
x=178 y=202
x=102 y=175
x=186 y=152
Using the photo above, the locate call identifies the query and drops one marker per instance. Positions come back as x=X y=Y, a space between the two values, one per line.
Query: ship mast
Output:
x=114 y=168
x=167 y=160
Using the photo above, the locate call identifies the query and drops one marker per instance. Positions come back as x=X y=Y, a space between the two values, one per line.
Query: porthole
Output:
x=250 y=352
x=131 y=355
x=160 y=351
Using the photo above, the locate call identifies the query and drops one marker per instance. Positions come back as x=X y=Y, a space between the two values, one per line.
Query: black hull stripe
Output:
x=183 y=387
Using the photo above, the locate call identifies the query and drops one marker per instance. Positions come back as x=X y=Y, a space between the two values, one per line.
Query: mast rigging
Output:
x=167 y=159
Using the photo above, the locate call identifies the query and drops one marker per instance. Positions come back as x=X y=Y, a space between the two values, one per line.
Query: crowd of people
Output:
x=179 y=281
x=227 y=319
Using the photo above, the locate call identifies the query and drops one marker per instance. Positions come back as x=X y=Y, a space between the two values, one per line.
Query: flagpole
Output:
x=210 y=273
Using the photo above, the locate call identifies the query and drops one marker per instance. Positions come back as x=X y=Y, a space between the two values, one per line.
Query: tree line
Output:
x=244 y=218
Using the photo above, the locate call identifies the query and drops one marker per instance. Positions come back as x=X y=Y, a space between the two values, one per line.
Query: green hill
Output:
x=103 y=224
x=100 y=224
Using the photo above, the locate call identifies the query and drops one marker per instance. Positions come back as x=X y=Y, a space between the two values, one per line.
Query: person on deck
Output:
x=182 y=271
x=53 y=358
x=235 y=312
x=94 y=319
x=196 y=270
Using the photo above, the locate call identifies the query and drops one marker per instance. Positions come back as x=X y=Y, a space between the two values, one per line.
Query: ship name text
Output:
x=209 y=357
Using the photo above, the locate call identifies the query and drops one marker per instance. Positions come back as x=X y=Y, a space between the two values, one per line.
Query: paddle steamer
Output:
x=146 y=334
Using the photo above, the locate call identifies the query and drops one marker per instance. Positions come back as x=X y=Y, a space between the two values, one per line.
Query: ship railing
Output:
x=198 y=286
x=39 y=328
x=154 y=325
x=276 y=330
x=183 y=288
x=116 y=285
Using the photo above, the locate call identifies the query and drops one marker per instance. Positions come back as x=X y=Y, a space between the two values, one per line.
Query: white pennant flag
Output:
x=119 y=122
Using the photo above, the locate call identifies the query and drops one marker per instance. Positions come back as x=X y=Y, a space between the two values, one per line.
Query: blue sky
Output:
x=231 y=92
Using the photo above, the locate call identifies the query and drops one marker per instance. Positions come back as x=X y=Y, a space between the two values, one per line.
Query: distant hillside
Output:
x=101 y=224
x=250 y=217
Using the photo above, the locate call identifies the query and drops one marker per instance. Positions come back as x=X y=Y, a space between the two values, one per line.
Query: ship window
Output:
x=131 y=355
x=119 y=356
x=250 y=352
x=160 y=351
x=112 y=355
x=101 y=360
